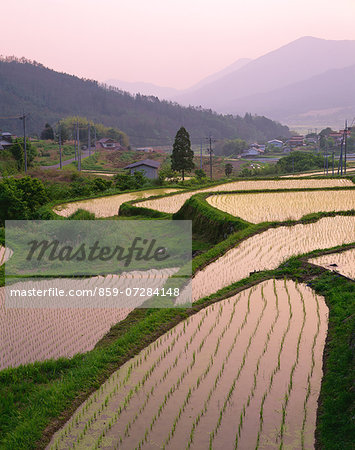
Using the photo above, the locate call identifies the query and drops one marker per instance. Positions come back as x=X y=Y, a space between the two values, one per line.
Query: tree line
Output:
x=49 y=96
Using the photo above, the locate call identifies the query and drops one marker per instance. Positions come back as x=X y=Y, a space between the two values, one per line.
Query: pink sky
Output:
x=167 y=42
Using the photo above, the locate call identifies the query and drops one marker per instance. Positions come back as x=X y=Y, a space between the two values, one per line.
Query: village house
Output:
x=275 y=143
x=5 y=140
x=108 y=144
x=253 y=150
x=149 y=167
x=295 y=141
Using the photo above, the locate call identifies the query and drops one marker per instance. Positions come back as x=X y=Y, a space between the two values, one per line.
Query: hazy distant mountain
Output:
x=297 y=61
x=168 y=93
x=321 y=98
x=216 y=76
x=140 y=87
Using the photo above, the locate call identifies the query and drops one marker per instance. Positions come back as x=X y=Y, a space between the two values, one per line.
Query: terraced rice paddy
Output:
x=29 y=334
x=174 y=203
x=107 y=206
x=267 y=250
x=243 y=373
x=280 y=206
x=343 y=263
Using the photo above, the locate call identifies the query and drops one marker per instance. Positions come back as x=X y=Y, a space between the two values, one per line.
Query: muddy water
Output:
x=233 y=346
x=343 y=262
x=107 y=206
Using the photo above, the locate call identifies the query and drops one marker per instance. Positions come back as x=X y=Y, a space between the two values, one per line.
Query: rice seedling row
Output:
x=189 y=348
x=257 y=368
x=268 y=250
x=31 y=334
x=218 y=375
x=51 y=333
x=220 y=353
x=281 y=206
x=173 y=203
x=98 y=405
x=310 y=375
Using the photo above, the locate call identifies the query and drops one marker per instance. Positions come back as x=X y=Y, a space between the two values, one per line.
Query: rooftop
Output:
x=144 y=162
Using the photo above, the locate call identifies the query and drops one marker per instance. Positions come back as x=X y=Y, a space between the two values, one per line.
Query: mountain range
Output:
x=306 y=81
x=48 y=96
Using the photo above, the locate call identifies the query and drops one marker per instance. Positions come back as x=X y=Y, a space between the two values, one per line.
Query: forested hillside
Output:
x=49 y=96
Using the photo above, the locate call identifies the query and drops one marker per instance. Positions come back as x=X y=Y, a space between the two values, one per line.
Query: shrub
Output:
x=82 y=214
x=20 y=198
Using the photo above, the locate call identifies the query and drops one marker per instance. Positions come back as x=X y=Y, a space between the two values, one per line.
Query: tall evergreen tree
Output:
x=182 y=155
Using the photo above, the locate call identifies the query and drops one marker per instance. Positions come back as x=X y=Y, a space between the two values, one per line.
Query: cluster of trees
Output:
x=294 y=162
x=20 y=198
x=50 y=95
x=66 y=128
x=126 y=181
x=299 y=162
x=230 y=147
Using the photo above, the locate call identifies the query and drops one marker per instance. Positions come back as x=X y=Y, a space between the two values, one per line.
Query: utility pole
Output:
x=89 y=140
x=210 y=152
x=60 y=146
x=78 y=145
x=333 y=163
x=95 y=137
x=326 y=159
x=345 y=144
x=75 y=133
x=23 y=118
x=201 y=156
x=340 y=165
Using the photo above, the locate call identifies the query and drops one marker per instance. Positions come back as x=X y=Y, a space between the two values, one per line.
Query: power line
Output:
x=11 y=117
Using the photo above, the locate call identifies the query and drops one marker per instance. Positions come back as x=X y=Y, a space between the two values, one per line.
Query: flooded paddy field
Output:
x=242 y=373
x=281 y=206
x=107 y=206
x=343 y=262
x=44 y=331
x=269 y=249
x=174 y=203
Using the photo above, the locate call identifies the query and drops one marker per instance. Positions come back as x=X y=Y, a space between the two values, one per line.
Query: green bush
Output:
x=125 y=181
x=82 y=214
x=20 y=198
